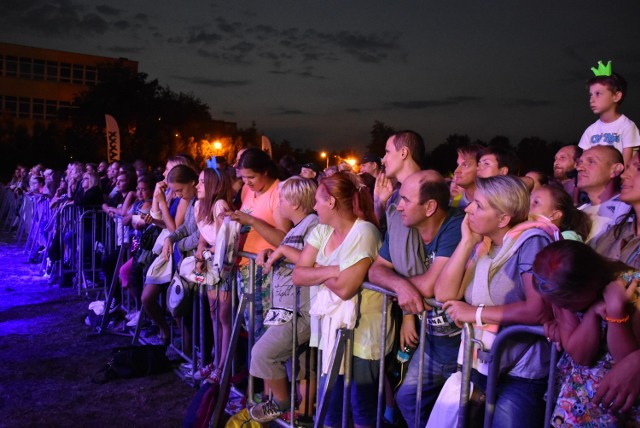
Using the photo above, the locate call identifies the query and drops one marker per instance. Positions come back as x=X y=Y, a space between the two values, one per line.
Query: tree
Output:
x=380 y=133
x=443 y=158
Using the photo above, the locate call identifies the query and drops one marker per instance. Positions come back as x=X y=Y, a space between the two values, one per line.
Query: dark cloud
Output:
x=214 y=83
x=228 y=113
x=142 y=17
x=124 y=50
x=121 y=25
x=527 y=102
x=58 y=18
x=203 y=37
x=108 y=10
x=426 y=104
x=240 y=43
x=282 y=111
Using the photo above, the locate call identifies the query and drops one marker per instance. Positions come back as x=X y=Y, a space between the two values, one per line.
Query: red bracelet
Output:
x=618 y=320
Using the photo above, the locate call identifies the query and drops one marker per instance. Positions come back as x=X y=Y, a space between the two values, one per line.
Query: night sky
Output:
x=318 y=73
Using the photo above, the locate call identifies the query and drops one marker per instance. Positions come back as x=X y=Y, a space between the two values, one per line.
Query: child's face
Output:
x=602 y=99
x=143 y=192
x=541 y=203
x=285 y=208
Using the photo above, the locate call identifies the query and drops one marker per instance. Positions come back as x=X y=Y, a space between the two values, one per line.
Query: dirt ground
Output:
x=47 y=357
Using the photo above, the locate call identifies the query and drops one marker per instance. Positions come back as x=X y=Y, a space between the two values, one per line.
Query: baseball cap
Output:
x=370 y=157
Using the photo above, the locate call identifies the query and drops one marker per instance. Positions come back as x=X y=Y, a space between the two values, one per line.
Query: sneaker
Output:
x=133 y=321
x=113 y=306
x=203 y=372
x=215 y=376
x=186 y=366
x=266 y=412
x=156 y=340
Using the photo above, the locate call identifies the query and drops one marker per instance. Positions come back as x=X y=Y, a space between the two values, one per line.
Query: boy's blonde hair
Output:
x=299 y=191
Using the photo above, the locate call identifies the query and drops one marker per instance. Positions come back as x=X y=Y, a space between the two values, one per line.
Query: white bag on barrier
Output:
x=445 y=411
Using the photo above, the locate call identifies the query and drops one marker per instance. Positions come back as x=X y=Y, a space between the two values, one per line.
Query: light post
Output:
x=324 y=155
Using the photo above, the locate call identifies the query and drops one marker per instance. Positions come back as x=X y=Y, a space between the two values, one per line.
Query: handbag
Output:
x=160 y=270
x=179 y=296
x=157 y=247
x=188 y=271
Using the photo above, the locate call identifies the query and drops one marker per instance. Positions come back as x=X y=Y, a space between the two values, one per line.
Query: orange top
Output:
x=261 y=207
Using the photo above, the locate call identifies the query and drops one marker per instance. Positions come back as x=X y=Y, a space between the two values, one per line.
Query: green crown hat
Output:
x=602 y=70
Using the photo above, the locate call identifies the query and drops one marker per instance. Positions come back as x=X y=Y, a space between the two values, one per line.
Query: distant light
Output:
x=177 y=135
x=217 y=145
x=323 y=155
x=159 y=118
x=351 y=161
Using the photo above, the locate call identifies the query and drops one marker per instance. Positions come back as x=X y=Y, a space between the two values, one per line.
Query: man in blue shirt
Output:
x=402 y=265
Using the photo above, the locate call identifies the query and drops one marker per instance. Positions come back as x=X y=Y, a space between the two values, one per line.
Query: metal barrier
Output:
x=494 y=370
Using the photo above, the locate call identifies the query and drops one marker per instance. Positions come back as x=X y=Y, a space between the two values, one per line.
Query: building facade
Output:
x=36 y=84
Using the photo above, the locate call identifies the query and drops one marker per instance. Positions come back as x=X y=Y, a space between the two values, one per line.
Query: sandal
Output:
x=203 y=372
x=216 y=376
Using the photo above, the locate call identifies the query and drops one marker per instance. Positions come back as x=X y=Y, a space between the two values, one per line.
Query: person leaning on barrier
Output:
x=424 y=206
x=337 y=255
x=273 y=349
x=491 y=270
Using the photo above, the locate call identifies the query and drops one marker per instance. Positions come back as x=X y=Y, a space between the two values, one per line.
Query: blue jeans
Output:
x=439 y=358
x=364 y=394
x=520 y=401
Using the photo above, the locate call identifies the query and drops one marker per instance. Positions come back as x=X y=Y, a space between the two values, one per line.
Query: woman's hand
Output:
x=241 y=217
x=167 y=249
x=552 y=332
x=159 y=191
x=408 y=334
x=460 y=312
x=468 y=234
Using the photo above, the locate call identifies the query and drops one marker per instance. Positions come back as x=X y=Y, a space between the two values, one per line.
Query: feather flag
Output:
x=266 y=146
x=113 y=139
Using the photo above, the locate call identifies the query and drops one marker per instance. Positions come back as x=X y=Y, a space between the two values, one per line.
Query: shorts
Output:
x=273 y=350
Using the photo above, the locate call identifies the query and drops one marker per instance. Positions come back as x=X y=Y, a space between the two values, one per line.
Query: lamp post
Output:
x=323 y=155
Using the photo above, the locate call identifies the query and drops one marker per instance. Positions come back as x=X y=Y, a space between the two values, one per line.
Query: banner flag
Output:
x=113 y=139
x=266 y=146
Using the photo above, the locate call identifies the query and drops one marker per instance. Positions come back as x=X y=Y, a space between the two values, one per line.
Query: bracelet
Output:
x=479 y=315
x=618 y=320
x=156 y=215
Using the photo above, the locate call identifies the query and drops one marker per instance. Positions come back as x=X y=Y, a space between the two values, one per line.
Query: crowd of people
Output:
x=497 y=246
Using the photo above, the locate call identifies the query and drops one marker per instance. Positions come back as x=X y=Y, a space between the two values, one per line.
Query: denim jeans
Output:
x=520 y=401
x=364 y=394
x=438 y=366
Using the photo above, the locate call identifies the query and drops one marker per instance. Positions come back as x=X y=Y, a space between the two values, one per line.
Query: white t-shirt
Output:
x=604 y=215
x=362 y=241
x=621 y=133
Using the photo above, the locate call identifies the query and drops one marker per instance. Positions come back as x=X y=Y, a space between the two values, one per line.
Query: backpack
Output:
x=242 y=419
x=203 y=404
x=133 y=361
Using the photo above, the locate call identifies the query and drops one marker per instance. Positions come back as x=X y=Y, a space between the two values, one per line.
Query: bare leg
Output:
x=150 y=304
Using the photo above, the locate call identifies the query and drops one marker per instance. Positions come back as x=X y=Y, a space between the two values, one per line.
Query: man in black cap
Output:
x=310 y=171
x=370 y=164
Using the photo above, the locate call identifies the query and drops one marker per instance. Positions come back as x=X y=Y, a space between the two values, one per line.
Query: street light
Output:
x=323 y=155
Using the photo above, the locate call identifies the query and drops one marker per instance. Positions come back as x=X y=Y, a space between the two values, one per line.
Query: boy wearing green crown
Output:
x=606 y=93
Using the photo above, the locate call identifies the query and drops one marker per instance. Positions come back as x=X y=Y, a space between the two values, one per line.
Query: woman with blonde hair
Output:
x=491 y=270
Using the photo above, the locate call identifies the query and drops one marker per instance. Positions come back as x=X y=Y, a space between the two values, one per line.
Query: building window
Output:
x=52 y=70
x=38 y=69
x=52 y=109
x=90 y=75
x=24 y=108
x=78 y=74
x=38 y=108
x=25 y=68
x=65 y=72
x=11 y=106
x=11 y=66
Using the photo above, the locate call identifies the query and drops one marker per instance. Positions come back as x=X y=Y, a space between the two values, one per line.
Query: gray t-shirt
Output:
x=282 y=288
